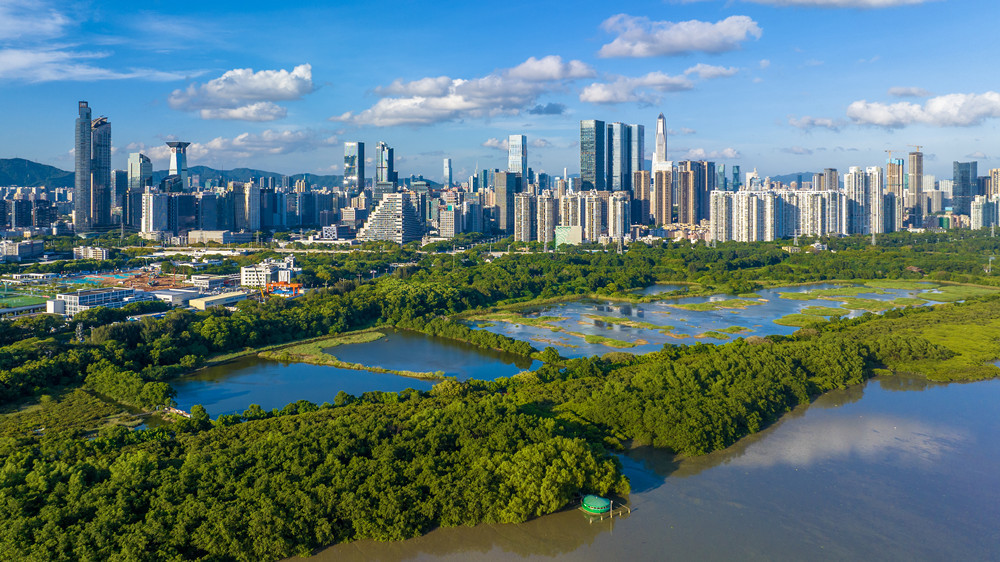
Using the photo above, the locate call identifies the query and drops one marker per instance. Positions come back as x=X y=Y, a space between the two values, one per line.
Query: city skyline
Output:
x=745 y=83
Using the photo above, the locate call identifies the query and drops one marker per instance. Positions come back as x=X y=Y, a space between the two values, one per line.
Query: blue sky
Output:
x=780 y=85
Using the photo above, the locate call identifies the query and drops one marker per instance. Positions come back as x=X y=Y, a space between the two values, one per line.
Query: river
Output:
x=899 y=469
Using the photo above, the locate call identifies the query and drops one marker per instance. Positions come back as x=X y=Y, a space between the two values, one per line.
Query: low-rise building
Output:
x=17 y=251
x=90 y=253
x=218 y=236
x=269 y=271
x=69 y=304
x=225 y=299
x=211 y=283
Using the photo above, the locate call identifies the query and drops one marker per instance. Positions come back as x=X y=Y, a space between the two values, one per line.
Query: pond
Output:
x=646 y=327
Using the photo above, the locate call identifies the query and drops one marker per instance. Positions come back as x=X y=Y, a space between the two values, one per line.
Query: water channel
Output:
x=900 y=469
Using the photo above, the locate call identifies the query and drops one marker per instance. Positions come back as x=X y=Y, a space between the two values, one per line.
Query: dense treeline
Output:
x=447 y=328
x=282 y=485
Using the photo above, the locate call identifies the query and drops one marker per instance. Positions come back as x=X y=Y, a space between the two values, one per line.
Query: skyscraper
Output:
x=178 y=161
x=619 y=157
x=447 y=173
x=964 y=175
x=506 y=185
x=691 y=193
x=83 y=156
x=385 y=170
x=592 y=155
x=916 y=190
x=517 y=156
x=140 y=171
x=660 y=151
x=857 y=208
x=894 y=168
x=525 y=217
x=643 y=198
x=637 y=134
x=354 y=165
x=663 y=199
x=100 y=173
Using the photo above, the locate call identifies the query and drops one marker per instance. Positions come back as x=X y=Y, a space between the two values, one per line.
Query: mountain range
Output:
x=21 y=172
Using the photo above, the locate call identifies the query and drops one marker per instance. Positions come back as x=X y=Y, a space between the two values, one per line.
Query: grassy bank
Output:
x=313 y=352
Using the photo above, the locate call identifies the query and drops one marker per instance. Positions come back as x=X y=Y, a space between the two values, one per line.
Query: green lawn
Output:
x=20 y=300
x=952 y=293
x=799 y=320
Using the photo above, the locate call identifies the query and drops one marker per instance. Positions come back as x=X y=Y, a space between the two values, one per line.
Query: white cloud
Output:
x=625 y=89
x=908 y=92
x=702 y=154
x=807 y=122
x=423 y=87
x=951 y=110
x=260 y=111
x=764 y=63
x=244 y=94
x=708 y=71
x=30 y=19
x=642 y=37
x=551 y=67
x=682 y=131
x=540 y=143
x=841 y=3
x=797 y=150
x=978 y=155
x=51 y=64
x=504 y=92
x=496 y=143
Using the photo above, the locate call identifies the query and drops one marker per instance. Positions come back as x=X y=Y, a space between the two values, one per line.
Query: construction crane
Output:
x=917 y=146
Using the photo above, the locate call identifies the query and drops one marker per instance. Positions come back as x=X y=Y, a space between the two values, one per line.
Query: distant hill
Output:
x=787 y=179
x=21 y=172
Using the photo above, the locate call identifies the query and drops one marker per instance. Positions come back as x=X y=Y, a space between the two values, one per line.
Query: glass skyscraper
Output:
x=384 y=167
x=964 y=176
x=83 y=155
x=592 y=154
x=517 y=156
x=354 y=164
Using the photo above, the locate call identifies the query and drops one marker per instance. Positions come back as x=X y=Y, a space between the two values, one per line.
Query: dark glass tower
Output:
x=592 y=155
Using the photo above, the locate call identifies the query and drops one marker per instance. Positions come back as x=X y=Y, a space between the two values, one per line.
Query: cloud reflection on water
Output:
x=872 y=437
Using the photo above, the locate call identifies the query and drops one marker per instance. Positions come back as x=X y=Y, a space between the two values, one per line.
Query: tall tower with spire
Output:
x=660 y=153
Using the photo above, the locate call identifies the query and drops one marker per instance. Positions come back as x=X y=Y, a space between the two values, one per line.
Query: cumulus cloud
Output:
x=548 y=109
x=642 y=37
x=504 y=92
x=540 y=143
x=708 y=71
x=977 y=155
x=244 y=146
x=496 y=143
x=797 y=150
x=951 y=110
x=624 y=89
x=908 y=92
x=244 y=94
x=807 y=123
x=764 y=63
x=702 y=154
x=549 y=68
x=841 y=3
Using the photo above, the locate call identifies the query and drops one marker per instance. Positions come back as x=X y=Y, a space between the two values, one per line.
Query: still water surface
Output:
x=232 y=387
x=900 y=469
x=684 y=326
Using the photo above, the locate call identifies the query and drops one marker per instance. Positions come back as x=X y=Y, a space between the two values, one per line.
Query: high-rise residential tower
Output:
x=83 y=156
x=354 y=165
x=506 y=185
x=517 y=156
x=894 y=173
x=660 y=150
x=592 y=155
x=915 y=192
